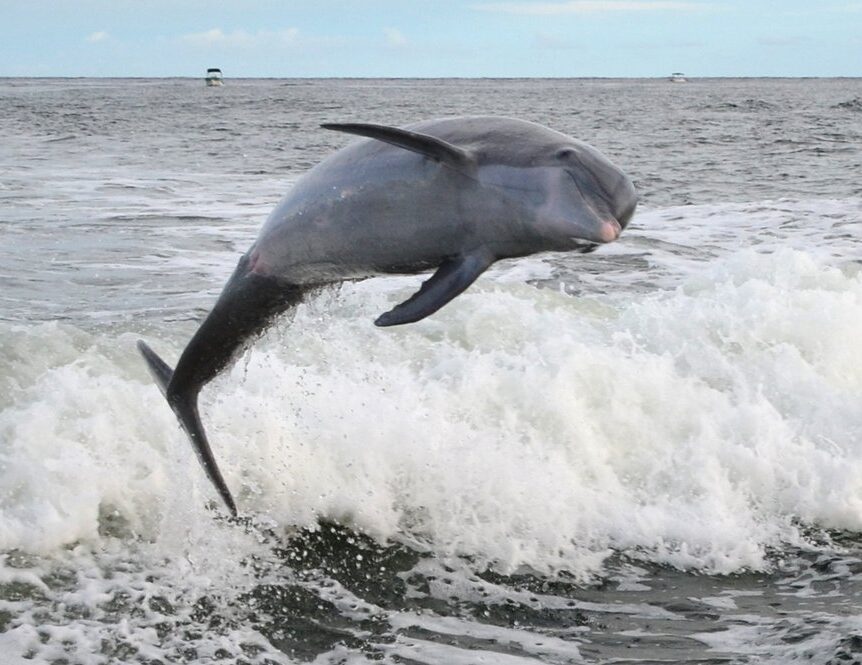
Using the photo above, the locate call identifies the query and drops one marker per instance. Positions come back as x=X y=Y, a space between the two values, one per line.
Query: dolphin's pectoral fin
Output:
x=452 y=278
x=431 y=147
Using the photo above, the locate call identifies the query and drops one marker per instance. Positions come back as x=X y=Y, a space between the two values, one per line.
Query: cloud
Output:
x=395 y=37
x=97 y=37
x=587 y=6
x=217 y=37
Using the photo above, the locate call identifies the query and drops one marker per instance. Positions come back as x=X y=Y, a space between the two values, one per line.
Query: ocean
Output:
x=648 y=454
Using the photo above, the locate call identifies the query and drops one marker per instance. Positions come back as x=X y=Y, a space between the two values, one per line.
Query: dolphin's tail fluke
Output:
x=246 y=306
x=186 y=409
x=159 y=369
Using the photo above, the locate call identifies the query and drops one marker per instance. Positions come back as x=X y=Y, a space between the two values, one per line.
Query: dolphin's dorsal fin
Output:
x=433 y=148
x=451 y=279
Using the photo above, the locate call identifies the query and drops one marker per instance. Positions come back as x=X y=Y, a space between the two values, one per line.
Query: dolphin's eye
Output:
x=565 y=154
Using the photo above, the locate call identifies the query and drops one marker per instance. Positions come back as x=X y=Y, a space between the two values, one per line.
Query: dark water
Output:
x=650 y=454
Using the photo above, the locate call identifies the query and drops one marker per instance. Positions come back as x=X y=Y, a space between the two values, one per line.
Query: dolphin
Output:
x=452 y=195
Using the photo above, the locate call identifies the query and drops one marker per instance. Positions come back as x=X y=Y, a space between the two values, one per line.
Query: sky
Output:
x=428 y=38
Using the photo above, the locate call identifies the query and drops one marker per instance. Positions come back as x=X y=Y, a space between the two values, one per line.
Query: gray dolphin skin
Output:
x=451 y=195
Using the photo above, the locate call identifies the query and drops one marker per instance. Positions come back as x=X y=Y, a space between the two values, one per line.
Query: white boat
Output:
x=214 y=77
x=678 y=77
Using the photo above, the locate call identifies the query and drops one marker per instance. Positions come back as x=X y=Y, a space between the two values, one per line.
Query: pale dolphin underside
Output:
x=451 y=195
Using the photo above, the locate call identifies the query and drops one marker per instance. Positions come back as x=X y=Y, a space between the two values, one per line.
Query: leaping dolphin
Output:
x=453 y=195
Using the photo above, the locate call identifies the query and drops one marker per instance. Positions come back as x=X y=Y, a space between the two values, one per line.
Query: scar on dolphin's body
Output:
x=453 y=195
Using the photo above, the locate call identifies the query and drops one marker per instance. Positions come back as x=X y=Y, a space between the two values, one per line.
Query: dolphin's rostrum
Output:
x=453 y=195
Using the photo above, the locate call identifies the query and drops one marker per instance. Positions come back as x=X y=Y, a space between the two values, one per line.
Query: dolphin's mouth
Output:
x=584 y=246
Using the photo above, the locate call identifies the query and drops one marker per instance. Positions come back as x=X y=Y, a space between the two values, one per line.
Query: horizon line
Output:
x=435 y=78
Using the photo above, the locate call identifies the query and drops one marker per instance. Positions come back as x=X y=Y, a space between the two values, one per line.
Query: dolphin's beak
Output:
x=610 y=230
x=598 y=207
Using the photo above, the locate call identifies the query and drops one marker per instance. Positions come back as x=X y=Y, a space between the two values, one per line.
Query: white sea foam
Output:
x=699 y=425
x=696 y=427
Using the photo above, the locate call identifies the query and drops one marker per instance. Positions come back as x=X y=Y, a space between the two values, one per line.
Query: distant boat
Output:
x=678 y=77
x=214 y=77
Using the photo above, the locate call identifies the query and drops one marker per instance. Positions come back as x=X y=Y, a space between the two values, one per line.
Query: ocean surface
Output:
x=648 y=454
